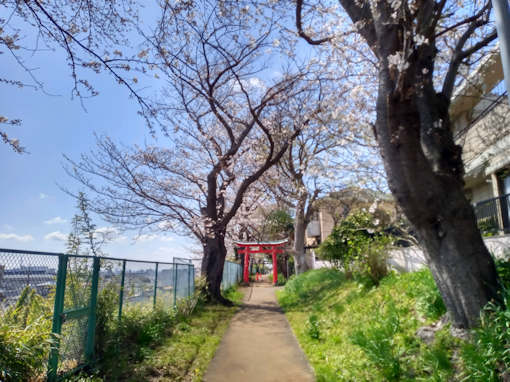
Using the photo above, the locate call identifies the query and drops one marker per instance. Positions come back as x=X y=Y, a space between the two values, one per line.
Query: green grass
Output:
x=180 y=352
x=354 y=332
x=351 y=332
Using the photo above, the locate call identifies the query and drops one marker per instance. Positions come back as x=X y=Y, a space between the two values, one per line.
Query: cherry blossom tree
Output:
x=228 y=119
x=421 y=49
x=334 y=150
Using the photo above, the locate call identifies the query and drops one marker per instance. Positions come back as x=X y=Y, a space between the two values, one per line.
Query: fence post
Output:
x=57 y=317
x=155 y=286
x=121 y=293
x=91 y=330
x=175 y=285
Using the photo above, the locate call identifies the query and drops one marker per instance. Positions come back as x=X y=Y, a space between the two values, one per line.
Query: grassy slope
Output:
x=351 y=333
x=186 y=354
x=182 y=356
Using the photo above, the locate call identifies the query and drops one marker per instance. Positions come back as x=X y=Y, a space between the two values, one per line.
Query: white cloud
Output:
x=165 y=226
x=13 y=236
x=111 y=234
x=108 y=230
x=56 y=235
x=146 y=237
x=55 y=220
x=256 y=83
x=42 y=195
x=150 y=237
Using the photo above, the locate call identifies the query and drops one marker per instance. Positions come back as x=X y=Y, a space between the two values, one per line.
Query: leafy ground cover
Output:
x=160 y=344
x=25 y=338
x=156 y=347
x=354 y=332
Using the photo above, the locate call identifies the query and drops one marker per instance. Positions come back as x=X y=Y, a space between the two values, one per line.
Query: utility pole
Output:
x=502 y=16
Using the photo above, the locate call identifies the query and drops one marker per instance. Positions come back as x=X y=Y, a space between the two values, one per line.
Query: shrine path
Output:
x=259 y=344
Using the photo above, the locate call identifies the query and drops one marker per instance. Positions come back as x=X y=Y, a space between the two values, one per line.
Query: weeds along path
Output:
x=259 y=344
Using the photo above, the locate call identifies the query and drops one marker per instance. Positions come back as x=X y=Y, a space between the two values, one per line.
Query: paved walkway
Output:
x=259 y=345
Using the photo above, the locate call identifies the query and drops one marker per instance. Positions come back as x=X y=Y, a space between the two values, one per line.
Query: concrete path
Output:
x=259 y=345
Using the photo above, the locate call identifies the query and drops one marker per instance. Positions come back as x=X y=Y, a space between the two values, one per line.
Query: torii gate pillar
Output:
x=246 y=273
x=275 y=267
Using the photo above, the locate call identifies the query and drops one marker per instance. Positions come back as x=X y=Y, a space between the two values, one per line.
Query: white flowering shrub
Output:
x=359 y=246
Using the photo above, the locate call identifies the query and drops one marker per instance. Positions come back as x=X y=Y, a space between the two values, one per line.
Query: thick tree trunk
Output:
x=425 y=173
x=300 y=263
x=213 y=262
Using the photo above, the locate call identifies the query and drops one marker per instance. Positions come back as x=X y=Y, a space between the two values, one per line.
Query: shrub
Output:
x=140 y=329
x=372 y=262
x=281 y=279
x=25 y=337
x=359 y=246
x=106 y=318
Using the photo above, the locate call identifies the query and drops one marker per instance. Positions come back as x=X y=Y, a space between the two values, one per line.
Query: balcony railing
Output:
x=493 y=215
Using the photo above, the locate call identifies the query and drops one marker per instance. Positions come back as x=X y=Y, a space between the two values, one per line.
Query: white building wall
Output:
x=412 y=259
x=482 y=191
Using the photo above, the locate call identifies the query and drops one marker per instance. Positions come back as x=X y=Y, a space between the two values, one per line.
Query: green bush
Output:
x=140 y=329
x=106 y=318
x=25 y=337
x=281 y=279
x=359 y=247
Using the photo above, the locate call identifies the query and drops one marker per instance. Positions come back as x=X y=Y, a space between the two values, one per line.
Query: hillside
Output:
x=353 y=332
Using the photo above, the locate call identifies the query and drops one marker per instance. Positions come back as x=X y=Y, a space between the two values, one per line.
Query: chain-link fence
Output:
x=64 y=289
x=232 y=274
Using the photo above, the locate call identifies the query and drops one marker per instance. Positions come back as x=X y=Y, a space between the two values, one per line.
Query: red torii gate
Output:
x=248 y=248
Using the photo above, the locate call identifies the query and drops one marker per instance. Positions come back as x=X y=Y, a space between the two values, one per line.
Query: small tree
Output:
x=83 y=240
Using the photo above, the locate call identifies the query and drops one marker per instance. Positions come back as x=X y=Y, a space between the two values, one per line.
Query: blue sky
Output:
x=35 y=213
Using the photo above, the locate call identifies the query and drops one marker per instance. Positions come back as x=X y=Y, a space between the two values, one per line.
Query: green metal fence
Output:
x=73 y=283
x=232 y=274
